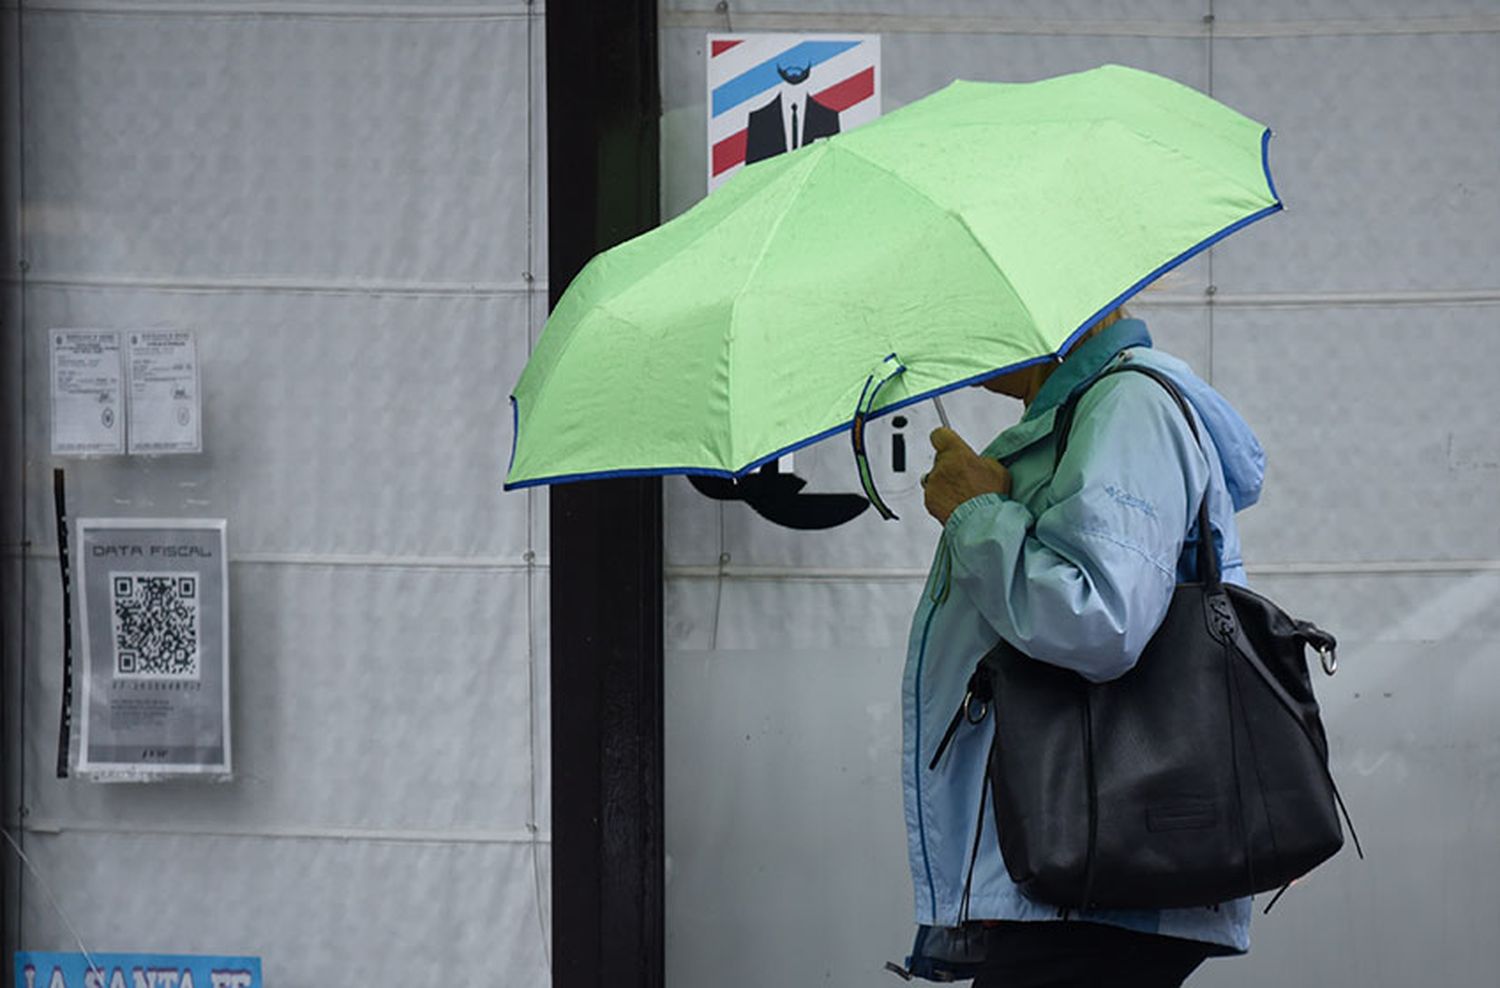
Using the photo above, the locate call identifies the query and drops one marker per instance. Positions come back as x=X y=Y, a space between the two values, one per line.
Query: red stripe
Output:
x=843 y=95
x=730 y=151
x=720 y=47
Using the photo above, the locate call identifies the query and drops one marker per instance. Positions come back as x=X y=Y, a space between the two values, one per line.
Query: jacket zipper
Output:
x=937 y=592
x=917 y=758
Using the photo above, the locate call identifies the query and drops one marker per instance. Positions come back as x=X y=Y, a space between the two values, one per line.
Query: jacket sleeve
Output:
x=1086 y=583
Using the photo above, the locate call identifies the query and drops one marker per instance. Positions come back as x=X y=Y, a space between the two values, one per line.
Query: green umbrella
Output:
x=976 y=230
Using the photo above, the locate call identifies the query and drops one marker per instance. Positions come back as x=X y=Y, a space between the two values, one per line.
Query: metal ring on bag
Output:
x=1329 y=660
x=984 y=709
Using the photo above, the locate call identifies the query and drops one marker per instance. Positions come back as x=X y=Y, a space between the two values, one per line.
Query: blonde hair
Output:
x=1110 y=318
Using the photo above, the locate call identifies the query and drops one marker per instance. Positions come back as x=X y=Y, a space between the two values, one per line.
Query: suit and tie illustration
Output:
x=769 y=132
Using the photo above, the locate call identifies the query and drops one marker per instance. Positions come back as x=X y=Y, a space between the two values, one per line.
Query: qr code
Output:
x=155 y=624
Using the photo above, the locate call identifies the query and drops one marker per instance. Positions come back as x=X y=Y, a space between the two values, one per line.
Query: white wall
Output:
x=1352 y=331
x=346 y=202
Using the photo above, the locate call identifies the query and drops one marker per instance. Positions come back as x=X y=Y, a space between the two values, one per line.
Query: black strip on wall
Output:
x=603 y=171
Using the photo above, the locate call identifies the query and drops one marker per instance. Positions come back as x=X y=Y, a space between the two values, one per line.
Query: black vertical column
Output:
x=603 y=105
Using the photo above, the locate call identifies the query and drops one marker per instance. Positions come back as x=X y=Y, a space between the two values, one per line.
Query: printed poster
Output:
x=36 y=969
x=153 y=602
x=166 y=414
x=773 y=93
x=88 y=399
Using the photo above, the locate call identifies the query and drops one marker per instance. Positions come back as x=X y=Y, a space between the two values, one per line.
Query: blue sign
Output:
x=72 y=970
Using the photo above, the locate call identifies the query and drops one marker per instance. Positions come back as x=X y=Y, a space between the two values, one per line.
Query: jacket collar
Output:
x=1087 y=361
x=1083 y=364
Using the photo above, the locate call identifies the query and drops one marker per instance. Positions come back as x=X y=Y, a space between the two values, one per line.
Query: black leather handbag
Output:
x=1199 y=776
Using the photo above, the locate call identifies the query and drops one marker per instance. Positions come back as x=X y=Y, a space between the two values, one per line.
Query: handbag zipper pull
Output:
x=978 y=692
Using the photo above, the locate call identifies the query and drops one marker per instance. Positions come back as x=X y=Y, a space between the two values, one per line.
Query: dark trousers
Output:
x=1068 y=954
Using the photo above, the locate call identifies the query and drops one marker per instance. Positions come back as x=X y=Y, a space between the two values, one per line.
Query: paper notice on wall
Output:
x=165 y=411
x=153 y=603
x=87 y=395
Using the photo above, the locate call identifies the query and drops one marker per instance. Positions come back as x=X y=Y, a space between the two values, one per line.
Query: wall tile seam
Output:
x=692 y=572
x=219 y=286
x=300 y=11
x=788 y=574
x=51 y=827
x=539 y=287
x=498 y=564
x=1194 y=29
x=1220 y=299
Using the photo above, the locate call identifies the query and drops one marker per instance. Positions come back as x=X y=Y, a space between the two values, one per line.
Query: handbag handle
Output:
x=1208 y=559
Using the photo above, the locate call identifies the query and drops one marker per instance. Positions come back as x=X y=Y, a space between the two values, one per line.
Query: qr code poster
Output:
x=155 y=624
x=154 y=613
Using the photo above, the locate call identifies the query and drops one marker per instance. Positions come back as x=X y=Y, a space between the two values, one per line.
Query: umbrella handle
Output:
x=889 y=368
x=942 y=414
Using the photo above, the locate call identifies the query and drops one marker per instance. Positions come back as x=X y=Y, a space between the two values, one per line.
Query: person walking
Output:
x=1074 y=567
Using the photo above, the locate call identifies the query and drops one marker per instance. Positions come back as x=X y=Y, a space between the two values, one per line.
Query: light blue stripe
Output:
x=753 y=82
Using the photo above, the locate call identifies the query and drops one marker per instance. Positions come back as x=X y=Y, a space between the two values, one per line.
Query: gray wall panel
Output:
x=321 y=912
x=277 y=147
x=829 y=851
x=1435 y=609
x=539 y=687
x=333 y=423
x=340 y=201
x=684 y=126
x=1385 y=153
x=764 y=616
x=1379 y=432
x=538 y=154
x=363 y=699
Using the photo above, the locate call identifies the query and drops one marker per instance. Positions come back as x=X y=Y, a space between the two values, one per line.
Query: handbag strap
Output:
x=1305 y=631
x=1208 y=561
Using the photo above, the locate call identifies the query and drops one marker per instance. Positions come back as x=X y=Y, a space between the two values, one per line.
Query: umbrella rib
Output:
x=686 y=244
x=968 y=230
x=1213 y=169
x=734 y=306
x=603 y=304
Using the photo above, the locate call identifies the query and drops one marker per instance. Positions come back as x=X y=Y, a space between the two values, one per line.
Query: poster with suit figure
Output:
x=773 y=93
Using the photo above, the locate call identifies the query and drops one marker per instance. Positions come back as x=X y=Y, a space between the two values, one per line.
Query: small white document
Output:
x=165 y=410
x=87 y=401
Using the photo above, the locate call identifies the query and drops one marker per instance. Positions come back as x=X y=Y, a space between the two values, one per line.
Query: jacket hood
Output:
x=1240 y=453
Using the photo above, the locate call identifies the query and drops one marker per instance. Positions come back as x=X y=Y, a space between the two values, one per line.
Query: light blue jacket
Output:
x=1077 y=570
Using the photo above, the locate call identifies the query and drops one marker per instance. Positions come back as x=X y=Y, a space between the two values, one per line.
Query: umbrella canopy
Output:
x=963 y=235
